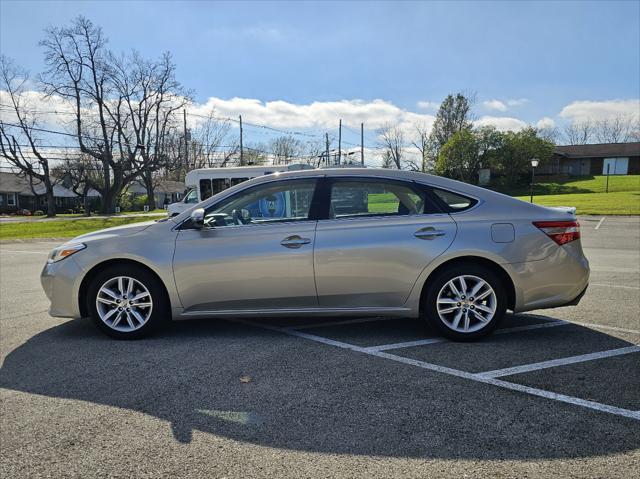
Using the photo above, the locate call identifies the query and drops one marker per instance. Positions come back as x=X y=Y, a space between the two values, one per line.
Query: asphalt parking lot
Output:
x=553 y=393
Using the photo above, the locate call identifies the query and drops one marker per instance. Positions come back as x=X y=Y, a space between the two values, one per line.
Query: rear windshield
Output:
x=454 y=201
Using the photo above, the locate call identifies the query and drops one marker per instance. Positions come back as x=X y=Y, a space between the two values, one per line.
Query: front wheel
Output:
x=465 y=302
x=126 y=302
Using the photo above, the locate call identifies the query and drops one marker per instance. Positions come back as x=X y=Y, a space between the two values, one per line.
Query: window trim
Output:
x=12 y=199
x=313 y=208
x=418 y=188
x=448 y=209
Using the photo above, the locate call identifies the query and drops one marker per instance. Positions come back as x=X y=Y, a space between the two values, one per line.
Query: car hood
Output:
x=115 y=232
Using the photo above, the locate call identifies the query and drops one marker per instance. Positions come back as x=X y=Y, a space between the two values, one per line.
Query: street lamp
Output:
x=534 y=164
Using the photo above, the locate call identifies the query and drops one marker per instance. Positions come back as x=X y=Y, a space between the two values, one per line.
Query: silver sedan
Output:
x=334 y=242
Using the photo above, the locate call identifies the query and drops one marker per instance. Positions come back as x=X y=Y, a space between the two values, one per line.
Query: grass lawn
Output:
x=61 y=228
x=578 y=184
x=618 y=203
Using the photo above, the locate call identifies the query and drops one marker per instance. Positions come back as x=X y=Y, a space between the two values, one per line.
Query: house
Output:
x=16 y=194
x=165 y=191
x=597 y=159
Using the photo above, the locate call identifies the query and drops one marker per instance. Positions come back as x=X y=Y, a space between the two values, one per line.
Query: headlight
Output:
x=64 y=251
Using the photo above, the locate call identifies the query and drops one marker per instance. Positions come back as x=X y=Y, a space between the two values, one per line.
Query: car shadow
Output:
x=267 y=388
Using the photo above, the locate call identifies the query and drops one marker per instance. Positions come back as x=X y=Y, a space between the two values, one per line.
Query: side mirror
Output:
x=197 y=218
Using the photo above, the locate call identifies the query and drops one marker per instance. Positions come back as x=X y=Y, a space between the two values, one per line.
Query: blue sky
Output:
x=524 y=60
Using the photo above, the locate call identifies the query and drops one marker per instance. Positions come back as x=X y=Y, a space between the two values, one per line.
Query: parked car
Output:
x=331 y=242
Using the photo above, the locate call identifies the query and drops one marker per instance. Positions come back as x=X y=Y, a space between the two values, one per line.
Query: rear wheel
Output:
x=465 y=302
x=126 y=302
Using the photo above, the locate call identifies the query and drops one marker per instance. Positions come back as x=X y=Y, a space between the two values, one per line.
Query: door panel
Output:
x=374 y=262
x=246 y=267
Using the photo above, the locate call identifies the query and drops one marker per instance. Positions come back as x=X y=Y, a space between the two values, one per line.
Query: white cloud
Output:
x=281 y=114
x=545 y=122
x=428 y=105
x=495 y=105
x=502 y=123
x=517 y=101
x=600 y=110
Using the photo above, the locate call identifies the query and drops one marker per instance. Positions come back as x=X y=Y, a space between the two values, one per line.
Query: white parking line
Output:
x=558 y=362
x=604 y=326
x=424 y=342
x=607 y=285
x=600 y=222
x=456 y=372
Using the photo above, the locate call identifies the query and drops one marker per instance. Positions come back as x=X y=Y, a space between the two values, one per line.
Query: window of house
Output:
x=11 y=199
x=357 y=198
x=1 y=199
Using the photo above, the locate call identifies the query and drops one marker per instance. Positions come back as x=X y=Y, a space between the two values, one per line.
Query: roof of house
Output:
x=14 y=183
x=603 y=150
x=162 y=186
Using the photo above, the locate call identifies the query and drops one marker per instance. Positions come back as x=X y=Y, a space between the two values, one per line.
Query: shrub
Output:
x=38 y=213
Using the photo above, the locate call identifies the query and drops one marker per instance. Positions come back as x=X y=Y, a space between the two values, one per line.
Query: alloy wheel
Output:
x=124 y=304
x=466 y=303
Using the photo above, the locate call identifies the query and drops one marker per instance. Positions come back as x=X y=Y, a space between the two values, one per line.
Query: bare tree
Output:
x=149 y=99
x=617 y=129
x=123 y=107
x=392 y=144
x=78 y=173
x=422 y=144
x=31 y=161
x=211 y=144
x=285 y=149
x=578 y=133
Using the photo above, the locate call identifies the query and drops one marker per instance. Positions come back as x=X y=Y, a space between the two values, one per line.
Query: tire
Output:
x=136 y=319
x=447 y=312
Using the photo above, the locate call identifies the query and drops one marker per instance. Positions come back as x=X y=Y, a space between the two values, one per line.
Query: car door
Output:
x=378 y=237
x=255 y=251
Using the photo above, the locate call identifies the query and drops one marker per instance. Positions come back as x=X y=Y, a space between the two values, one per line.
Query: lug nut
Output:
x=473 y=307
x=471 y=299
x=463 y=296
x=459 y=304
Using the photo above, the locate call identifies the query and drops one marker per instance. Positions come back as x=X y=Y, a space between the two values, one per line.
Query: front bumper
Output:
x=61 y=282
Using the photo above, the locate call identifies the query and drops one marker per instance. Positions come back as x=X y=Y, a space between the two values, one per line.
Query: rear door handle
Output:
x=294 y=241
x=429 y=233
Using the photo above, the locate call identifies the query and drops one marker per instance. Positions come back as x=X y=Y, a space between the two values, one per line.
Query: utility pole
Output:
x=186 y=138
x=241 y=147
x=362 y=143
x=340 y=142
x=326 y=139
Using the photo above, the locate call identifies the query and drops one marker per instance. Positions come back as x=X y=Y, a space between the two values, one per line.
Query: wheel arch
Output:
x=91 y=274
x=478 y=260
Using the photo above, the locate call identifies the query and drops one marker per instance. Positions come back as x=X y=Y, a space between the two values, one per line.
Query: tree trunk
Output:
x=87 y=203
x=51 y=202
x=149 y=186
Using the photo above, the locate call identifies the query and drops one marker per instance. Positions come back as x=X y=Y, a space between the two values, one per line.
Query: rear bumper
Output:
x=559 y=280
x=576 y=300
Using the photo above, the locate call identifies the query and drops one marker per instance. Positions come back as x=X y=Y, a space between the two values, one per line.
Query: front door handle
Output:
x=294 y=241
x=429 y=233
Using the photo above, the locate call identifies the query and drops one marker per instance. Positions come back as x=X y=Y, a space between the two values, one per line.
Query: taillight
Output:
x=561 y=232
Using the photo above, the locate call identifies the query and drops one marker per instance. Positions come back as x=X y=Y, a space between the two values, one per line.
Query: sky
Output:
x=304 y=65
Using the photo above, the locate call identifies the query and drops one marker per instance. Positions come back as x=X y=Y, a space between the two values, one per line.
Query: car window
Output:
x=205 y=189
x=192 y=197
x=264 y=204
x=356 y=198
x=454 y=201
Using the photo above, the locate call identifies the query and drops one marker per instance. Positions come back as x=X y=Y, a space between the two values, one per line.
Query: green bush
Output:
x=38 y=213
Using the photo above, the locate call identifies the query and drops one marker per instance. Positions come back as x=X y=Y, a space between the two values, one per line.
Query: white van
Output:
x=205 y=182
